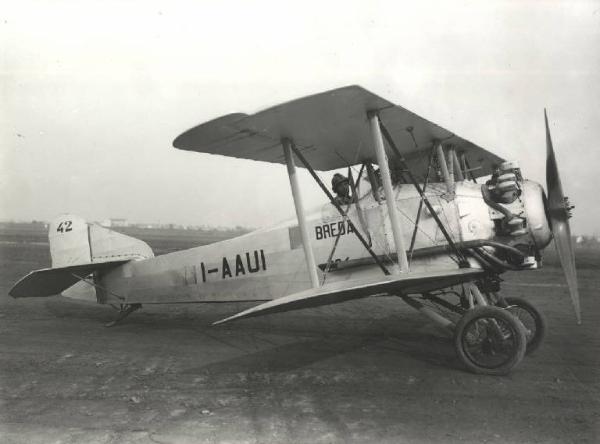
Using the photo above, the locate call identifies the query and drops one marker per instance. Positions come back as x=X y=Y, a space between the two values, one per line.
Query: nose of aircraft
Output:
x=536 y=205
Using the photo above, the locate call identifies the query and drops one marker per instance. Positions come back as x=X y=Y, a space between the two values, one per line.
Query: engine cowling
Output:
x=534 y=201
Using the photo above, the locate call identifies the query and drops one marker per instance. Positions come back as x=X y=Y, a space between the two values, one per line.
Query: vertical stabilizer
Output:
x=73 y=241
x=68 y=236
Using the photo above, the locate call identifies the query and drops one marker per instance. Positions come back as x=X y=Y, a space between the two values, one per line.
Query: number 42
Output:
x=64 y=226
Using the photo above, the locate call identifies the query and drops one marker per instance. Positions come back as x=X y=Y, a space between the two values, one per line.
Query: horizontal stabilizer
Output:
x=359 y=288
x=51 y=281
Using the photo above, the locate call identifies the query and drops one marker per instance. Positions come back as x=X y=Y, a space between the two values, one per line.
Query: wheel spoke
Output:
x=490 y=340
x=532 y=320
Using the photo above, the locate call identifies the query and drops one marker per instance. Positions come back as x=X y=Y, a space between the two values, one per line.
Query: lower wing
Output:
x=359 y=288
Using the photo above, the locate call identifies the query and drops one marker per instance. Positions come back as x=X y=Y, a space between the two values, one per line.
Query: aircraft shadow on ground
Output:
x=378 y=340
x=314 y=337
x=288 y=357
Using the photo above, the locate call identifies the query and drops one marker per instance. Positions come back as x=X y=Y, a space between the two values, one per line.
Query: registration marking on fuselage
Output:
x=242 y=264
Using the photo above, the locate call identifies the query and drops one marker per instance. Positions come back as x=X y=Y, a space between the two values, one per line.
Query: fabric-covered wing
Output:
x=332 y=131
x=228 y=137
x=359 y=288
x=51 y=281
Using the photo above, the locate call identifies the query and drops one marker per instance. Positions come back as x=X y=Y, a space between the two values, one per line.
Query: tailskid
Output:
x=125 y=310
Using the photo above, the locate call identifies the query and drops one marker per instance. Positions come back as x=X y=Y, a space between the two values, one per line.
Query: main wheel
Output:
x=489 y=340
x=533 y=321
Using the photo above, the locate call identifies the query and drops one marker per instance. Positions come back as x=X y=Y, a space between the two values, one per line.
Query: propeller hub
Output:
x=568 y=207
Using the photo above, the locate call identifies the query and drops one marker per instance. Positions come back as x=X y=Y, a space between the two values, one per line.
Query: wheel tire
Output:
x=477 y=323
x=533 y=319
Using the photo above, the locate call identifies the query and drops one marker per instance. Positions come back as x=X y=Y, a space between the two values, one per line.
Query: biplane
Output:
x=433 y=219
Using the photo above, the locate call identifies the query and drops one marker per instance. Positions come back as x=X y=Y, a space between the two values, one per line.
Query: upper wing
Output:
x=331 y=130
x=51 y=281
x=359 y=288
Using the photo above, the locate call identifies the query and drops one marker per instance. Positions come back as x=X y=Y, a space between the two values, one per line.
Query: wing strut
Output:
x=340 y=210
x=300 y=213
x=457 y=170
x=448 y=176
x=388 y=190
x=462 y=260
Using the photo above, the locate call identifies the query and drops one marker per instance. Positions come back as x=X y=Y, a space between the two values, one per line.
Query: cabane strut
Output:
x=462 y=260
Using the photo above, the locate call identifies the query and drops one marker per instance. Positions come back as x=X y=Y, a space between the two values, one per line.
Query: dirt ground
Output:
x=366 y=371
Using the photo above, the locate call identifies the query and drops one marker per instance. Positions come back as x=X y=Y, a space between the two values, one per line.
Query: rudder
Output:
x=73 y=241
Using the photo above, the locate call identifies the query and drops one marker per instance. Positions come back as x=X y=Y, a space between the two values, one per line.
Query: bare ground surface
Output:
x=366 y=371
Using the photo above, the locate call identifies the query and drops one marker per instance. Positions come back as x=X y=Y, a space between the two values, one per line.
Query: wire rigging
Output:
x=463 y=262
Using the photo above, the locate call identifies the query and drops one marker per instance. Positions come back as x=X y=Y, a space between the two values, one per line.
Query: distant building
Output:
x=116 y=222
x=587 y=241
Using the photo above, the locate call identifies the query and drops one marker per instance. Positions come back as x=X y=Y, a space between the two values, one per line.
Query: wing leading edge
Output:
x=359 y=288
x=332 y=131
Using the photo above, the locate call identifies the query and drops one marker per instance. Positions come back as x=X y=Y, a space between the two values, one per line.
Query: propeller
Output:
x=559 y=212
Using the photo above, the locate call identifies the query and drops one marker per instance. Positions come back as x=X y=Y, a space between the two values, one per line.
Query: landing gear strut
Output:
x=491 y=333
x=124 y=311
x=533 y=321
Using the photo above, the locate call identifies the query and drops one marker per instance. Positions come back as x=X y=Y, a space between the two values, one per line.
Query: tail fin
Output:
x=78 y=250
x=75 y=242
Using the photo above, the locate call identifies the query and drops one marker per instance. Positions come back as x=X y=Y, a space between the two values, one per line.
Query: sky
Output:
x=93 y=94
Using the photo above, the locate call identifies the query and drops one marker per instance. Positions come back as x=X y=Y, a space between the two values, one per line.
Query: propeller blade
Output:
x=558 y=213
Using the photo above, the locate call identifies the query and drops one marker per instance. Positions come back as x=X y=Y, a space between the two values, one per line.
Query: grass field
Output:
x=365 y=371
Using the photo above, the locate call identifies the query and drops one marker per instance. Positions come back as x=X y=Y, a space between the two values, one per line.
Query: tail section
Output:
x=79 y=250
x=68 y=236
x=75 y=242
x=51 y=281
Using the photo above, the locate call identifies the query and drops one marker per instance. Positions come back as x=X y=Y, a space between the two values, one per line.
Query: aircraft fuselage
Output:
x=269 y=263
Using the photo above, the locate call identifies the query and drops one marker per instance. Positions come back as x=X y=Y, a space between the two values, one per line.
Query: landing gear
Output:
x=491 y=333
x=533 y=321
x=490 y=340
x=124 y=311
